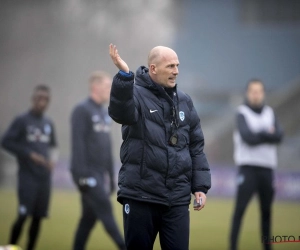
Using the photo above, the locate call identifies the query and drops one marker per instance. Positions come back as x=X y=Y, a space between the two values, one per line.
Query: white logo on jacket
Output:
x=35 y=134
x=100 y=125
x=181 y=116
x=95 y=118
x=47 y=129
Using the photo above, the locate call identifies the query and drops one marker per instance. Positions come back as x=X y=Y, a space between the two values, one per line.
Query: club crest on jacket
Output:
x=181 y=115
x=127 y=208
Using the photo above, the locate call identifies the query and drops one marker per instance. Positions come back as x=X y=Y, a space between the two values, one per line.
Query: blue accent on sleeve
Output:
x=123 y=73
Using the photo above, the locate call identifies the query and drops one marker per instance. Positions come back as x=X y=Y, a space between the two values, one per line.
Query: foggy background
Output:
x=221 y=45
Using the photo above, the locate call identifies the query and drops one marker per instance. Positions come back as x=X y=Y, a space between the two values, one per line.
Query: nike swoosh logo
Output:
x=152 y=111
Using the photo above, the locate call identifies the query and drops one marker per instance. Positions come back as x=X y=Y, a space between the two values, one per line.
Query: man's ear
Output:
x=152 y=69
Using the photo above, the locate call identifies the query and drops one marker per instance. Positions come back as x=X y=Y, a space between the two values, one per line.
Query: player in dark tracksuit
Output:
x=30 y=138
x=91 y=159
x=258 y=131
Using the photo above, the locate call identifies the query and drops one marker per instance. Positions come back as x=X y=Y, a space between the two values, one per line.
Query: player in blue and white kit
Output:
x=31 y=138
x=91 y=159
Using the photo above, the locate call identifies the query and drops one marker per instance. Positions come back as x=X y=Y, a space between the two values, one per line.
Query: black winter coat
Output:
x=152 y=169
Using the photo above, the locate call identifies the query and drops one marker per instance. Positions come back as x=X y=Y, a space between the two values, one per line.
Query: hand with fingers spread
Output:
x=117 y=60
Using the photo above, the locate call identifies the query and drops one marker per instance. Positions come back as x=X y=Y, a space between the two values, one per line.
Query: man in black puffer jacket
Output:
x=162 y=152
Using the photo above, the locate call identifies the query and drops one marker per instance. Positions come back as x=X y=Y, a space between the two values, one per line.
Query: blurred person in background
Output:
x=31 y=138
x=162 y=152
x=92 y=159
x=255 y=153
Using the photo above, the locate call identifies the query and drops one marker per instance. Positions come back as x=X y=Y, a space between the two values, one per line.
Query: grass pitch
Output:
x=209 y=227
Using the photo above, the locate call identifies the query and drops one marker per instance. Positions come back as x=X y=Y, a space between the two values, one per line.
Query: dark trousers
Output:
x=142 y=222
x=252 y=180
x=34 y=196
x=96 y=206
x=32 y=233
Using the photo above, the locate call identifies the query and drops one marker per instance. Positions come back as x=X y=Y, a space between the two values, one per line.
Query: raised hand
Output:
x=117 y=60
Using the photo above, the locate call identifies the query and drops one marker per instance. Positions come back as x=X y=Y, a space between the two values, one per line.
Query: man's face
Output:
x=166 y=70
x=40 y=101
x=255 y=94
x=102 y=89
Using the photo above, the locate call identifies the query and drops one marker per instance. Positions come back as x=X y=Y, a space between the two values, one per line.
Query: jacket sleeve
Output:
x=79 y=131
x=11 y=140
x=122 y=108
x=277 y=136
x=201 y=177
x=252 y=138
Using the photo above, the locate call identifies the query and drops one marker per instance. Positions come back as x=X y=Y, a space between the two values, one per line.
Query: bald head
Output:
x=163 y=66
x=157 y=53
